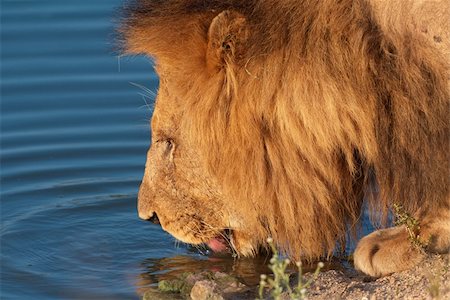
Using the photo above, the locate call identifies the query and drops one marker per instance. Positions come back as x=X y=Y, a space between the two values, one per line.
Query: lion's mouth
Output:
x=222 y=242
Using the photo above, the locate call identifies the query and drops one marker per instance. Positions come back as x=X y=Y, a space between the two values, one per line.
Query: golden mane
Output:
x=320 y=105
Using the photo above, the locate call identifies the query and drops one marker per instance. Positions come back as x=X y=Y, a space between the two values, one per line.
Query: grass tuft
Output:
x=279 y=285
x=412 y=226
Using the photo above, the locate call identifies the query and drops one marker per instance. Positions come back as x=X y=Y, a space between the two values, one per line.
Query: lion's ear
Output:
x=227 y=36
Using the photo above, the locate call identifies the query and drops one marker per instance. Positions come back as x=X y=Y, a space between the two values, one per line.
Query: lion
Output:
x=282 y=118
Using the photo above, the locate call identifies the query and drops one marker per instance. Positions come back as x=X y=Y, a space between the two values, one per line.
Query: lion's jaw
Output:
x=193 y=226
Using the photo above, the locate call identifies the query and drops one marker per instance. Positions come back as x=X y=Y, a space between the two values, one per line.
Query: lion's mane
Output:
x=322 y=104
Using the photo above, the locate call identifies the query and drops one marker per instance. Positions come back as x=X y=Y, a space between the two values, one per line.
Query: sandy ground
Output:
x=428 y=280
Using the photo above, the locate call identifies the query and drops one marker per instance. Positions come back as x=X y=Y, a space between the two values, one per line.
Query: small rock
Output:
x=205 y=290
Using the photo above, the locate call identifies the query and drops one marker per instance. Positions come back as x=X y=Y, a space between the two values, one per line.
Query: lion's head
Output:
x=269 y=119
x=181 y=186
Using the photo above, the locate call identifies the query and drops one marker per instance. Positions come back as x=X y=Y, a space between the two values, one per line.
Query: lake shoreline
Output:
x=428 y=280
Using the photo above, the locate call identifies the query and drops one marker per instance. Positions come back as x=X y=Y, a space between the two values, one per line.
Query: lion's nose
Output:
x=151 y=217
x=154 y=219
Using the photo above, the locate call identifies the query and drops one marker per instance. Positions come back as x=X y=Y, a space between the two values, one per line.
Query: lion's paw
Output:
x=386 y=251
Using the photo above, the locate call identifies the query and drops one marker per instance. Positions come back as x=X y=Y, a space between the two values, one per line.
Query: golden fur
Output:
x=277 y=118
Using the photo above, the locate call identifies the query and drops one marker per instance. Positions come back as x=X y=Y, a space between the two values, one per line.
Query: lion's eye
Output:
x=169 y=144
x=166 y=145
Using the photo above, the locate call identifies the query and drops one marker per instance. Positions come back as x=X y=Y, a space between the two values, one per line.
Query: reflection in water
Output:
x=246 y=270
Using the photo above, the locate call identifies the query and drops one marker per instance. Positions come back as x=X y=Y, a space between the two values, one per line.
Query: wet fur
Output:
x=299 y=110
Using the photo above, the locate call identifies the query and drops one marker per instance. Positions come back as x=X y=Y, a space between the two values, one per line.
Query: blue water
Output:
x=74 y=136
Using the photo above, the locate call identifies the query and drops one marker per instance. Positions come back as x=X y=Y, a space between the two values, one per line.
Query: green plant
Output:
x=280 y=283
x=411 y=224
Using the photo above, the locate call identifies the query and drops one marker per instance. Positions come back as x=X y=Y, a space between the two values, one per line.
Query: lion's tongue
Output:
x=217 y=244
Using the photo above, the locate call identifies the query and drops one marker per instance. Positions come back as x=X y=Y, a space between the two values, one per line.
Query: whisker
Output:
x=118 y=62
x=148 y=91
x=201 y=250
x=147 y=105
x=146 y=94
